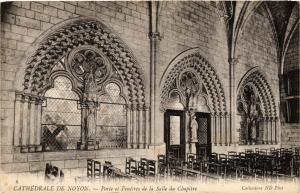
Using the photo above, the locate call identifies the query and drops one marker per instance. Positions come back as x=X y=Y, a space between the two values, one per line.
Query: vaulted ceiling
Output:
x=283 y=16
x=281 y=12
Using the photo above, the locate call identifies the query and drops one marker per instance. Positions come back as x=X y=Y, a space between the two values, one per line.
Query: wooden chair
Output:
x=151 y=168
x=176 y=169
x=162 y=165
x=190 y=160
x=130 y=166
x=224 y=164
x=142 y=167
x=106 y=172
x=97 y=170
x=90 y=170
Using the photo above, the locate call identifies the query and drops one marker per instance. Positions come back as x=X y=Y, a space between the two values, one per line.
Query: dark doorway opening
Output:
x=174 y=123
x=203 y=146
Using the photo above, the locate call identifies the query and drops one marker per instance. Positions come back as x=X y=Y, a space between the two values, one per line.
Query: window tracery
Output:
x=61 y=117
x=111 y=122
x=257 y=113
x=249 y=107
x=89 y=55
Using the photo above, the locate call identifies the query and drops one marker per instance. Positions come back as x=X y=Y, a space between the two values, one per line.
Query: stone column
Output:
x=269 y=127
x=223 y=127
x=232 y=94
x=32 y=123
x=278 y=134
x=155 y=38
x=128 y=122
x=273 y=130
x=147 y=127
x=228 y=132
x=25 y=124
x=212 y=124
x=217 y=128
x=263 y=122
x=141 y=127
x=18 y=117
x=134 y=126
x=38 y=126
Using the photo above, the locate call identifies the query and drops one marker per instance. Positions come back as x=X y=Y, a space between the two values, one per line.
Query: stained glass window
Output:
x=111 y=118
x=61 y=117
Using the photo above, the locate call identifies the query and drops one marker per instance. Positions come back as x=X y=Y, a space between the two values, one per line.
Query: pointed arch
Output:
x=192 y=60
x=83 y=31
x=255 y=78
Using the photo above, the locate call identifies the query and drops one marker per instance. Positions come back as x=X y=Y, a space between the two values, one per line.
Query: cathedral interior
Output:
x=136 y=89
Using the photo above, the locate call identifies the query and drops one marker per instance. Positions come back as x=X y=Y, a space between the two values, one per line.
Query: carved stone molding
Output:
x=264 y=92
x=61 y=42
x=84 y=61
x=206 y=74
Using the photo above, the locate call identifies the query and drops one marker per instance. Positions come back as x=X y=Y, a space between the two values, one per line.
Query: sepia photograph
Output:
x=150 y=96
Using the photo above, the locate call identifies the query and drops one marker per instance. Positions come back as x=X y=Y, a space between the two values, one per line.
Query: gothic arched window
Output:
x=61 y=117
x=251 y=116
x=111 y=118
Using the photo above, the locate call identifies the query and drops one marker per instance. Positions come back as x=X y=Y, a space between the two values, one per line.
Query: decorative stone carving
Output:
x=264 y=92
x=257 y=106
x=86 y=61
x=195 y=62
x=194 y=129
x=84 y=32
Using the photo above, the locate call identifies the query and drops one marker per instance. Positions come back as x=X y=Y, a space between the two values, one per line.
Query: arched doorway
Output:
x=194 y=104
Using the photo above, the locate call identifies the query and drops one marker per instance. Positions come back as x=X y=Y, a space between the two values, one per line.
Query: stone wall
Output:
x=72 y=162
x=186 y=25
x=291 y=131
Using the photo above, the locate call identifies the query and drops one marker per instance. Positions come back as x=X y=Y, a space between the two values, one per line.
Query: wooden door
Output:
x=174 y=124
x=203 y=146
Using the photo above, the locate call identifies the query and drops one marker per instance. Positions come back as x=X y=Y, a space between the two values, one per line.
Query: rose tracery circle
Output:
x=87 y=61
x=189 y=82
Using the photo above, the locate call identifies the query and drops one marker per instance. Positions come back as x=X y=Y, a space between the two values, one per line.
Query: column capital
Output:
x=40 y=100
x=155 y=36
x=162 y=109
x=25 y=98
x=134 y=106
x=146 y=107
x=33 y=99
x=223 y=114
x=19 y=96
x=233 y=61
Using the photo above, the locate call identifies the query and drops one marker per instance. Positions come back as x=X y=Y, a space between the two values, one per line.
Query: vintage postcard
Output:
x=150 y=96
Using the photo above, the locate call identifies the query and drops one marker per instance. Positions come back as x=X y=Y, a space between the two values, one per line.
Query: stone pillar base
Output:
x=193 y=148
x=24 y=149
x=134 y=146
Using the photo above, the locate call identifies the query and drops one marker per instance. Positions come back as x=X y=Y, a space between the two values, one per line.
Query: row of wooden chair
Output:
x=144 y=167
x=259 y=164
x=96 y=170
